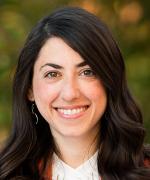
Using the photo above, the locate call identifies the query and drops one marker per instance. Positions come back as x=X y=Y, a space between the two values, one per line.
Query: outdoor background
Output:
x=128 y=19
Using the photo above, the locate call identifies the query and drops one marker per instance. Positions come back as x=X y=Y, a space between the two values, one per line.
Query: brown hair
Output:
x=121 y=151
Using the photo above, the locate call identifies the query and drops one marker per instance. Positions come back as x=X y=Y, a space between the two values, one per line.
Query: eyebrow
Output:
x=56 y=66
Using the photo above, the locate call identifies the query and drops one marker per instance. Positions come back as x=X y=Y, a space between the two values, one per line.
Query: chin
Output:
x=73 y=133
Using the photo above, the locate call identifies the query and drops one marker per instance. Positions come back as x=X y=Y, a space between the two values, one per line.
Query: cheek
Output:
x=96 y=92
x=44 y=93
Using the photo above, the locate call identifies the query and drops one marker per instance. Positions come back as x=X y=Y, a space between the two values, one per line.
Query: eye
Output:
x=87 y=72
x=53 y=74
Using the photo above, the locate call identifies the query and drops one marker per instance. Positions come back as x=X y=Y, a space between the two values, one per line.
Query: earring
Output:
x=37 y=119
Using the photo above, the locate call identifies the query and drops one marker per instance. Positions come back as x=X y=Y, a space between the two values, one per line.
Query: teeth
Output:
x=71 y=111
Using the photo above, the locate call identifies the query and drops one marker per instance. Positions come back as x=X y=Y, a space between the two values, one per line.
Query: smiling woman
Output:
x=73 y=115
x=67 y=93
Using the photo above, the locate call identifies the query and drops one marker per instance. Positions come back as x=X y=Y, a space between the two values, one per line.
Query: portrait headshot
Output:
x=73 y=114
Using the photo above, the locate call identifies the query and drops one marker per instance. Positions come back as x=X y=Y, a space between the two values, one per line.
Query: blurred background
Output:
x=128 y=19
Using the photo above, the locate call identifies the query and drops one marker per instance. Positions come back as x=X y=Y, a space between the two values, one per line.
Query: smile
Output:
x=72 y=112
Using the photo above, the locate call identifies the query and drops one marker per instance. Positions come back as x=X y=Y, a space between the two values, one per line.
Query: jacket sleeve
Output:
x=147 y=162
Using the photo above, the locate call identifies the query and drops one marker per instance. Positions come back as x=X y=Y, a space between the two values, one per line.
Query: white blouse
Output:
x=86 y=171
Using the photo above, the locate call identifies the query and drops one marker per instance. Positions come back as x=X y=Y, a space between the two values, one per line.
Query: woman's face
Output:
x=66 y=91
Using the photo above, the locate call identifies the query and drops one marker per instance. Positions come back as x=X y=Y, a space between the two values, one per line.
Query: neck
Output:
x=75 y=150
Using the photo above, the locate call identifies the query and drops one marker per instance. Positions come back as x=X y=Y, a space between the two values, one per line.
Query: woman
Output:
x=73 y=115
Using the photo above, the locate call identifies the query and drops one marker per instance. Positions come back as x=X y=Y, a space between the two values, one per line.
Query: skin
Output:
x=70 y=97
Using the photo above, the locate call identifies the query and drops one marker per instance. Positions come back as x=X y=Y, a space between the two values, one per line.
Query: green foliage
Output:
x=132 y=33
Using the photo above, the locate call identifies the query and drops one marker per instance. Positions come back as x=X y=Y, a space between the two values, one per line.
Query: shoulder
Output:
x=147 y=155
x=147 y=163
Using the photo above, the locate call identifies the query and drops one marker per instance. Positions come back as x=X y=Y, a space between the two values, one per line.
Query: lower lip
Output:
x=71 y=116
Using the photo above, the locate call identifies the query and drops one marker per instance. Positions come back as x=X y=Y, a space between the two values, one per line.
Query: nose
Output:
x=70 y=90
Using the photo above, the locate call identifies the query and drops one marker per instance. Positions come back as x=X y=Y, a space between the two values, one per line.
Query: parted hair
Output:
x=121 y=150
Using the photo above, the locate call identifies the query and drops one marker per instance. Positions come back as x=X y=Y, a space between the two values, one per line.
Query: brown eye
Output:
x=53 y=74
x=87 y=72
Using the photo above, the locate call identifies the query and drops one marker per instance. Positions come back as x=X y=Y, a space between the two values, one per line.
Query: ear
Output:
x=30 y=95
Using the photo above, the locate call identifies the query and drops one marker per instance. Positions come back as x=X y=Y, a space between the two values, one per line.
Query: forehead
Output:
x=55 y=50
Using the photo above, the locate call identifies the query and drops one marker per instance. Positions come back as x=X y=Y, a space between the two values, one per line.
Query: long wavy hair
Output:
x=121 y=149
